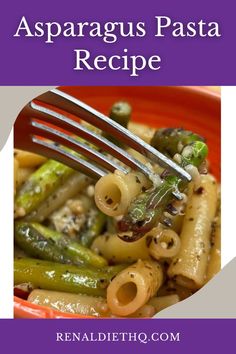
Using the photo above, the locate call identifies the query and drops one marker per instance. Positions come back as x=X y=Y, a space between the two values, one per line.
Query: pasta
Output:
x=165 y=243
x=214 y=264
x=189 y=267
x=114 y=192
x=117 y=251
x=72 y=303
x=121 y=246
x=133 y=287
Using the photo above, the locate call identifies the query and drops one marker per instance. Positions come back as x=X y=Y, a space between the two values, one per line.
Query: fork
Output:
x=33 y=132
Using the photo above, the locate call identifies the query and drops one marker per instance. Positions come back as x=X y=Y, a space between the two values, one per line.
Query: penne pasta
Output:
x=70 y=303
x=142 y=131
x=133 y=287
x=214 y=264
x=116 y=250
x=165 y=243
x=28 y=159
x=190 y=265
x=114 y=192
x=161 y=302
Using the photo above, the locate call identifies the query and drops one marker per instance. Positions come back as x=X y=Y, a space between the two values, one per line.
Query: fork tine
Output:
x=39 y=112
x=58 y=153
x=74 y=106
x=70 y=142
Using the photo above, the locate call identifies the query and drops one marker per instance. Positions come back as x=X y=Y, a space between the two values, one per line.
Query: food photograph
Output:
x=116 y=200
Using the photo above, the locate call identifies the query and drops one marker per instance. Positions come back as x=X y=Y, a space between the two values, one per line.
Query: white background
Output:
x=228 y=201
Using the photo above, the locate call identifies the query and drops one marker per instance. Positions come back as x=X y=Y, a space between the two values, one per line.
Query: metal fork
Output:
x=32 y=125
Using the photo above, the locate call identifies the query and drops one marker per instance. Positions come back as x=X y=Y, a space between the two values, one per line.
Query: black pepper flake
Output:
x=144 y=189
x=147 y=266
x=131 y=275
x=213 y=233
x=155 y=240
x=191 y=219
x=199 y=191
x=137 y=179
x=109 y=201
x=202 y=245
x=148 y=241
x=170 y=244
x=126 y=237
x=198 y=257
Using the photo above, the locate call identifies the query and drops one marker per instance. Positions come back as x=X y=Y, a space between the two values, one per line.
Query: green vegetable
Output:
x=194 y=154
x=36 y=245
x=147 y=209
x=94 y=227
x=120 y=113
x=44 y=243
x=64 y=277
x=170 y=141
x=41 y=184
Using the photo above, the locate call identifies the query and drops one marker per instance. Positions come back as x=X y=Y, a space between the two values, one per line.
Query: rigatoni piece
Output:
x=118 y=251
x=28 y=159
x=70 y=303
x=133 y=287
x=190 y=265
x=214 y=264
x=142 y=131
x=165 y=243
x=114 y=192
x=162 y=302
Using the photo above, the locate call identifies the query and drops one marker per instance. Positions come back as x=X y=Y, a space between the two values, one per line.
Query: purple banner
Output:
x=125 y=42
x=118 y=336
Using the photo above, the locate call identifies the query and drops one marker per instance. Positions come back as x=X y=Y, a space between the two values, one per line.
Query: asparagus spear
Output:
x=36 y=245
x=94 y=227
x=40 y=185
x=120 y=112
x=170 y=141
x=147 y=209
x=44 y=243
x=63 y=277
